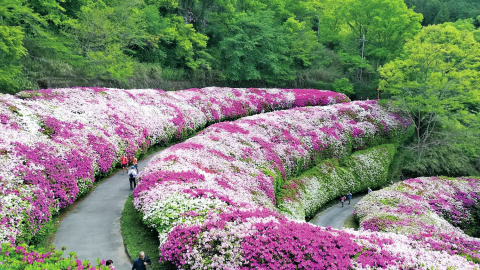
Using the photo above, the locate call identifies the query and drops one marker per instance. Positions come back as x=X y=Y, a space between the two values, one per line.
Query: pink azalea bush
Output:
x=24 y=257
x=55 y=142
x=262 y=239
x=212 y=198
x=433 y=210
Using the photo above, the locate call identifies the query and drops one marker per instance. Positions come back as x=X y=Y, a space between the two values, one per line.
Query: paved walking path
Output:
x=92 y=227
x=336 y=216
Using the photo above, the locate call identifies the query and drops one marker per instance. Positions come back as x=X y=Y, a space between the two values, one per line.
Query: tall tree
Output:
x=386 y=24
x=437 y=77
x=253 y=47
x=11 y=50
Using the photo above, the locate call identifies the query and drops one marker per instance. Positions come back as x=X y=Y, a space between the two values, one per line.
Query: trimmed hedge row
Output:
x=301 y=197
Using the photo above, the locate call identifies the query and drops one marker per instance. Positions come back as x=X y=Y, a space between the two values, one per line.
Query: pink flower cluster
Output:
x=24 y=257
x=212 y=198
x=54 y=142
x=433 y=211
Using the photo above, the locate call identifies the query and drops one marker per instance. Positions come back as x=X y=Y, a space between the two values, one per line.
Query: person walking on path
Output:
x=343 y=200
x=141 y=262
x=349 y=195
x=124 y=161
x=369 y=190
x=135 y=163
x=132 y=175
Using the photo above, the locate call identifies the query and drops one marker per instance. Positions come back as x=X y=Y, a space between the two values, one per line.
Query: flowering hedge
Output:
x=301 y=197
x=54 y=143
x=261 y=239
x=212 y=198
x=434 y=210
x=24 y=257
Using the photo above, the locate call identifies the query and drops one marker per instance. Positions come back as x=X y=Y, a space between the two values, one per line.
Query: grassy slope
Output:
x=138 y=237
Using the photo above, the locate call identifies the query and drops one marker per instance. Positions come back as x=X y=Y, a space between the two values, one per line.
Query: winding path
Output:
x=92 y=227
x=336 y=216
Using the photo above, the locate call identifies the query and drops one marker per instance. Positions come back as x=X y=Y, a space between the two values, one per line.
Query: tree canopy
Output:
x=437 y=81
x=183 y=43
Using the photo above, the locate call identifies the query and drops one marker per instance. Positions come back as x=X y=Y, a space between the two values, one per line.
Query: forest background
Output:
x=422 y=55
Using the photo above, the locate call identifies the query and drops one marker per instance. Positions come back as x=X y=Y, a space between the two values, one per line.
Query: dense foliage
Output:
x=436 y=80
x=167 y=44
x=441 y=11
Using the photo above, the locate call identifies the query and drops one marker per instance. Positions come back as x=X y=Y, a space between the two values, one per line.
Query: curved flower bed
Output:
x=433 y=210
x=261 y=239
x=212 y=198
x=301 y=197
x=23 y=257
x=54 y=142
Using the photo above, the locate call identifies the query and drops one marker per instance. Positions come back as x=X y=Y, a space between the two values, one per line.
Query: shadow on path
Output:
x=336 y=216
x=92 y=227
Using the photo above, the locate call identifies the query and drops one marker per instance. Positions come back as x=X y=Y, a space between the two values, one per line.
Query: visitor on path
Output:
x=349 y=195
x=141 y=262
x=132 y=175
x=124 y=161
x=135 y=163
x=369 y=190
x=343 y=200
x=110 y=263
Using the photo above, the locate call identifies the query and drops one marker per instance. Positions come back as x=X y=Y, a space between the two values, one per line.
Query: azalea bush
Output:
x=54 y=143
x=23 y=257
x=434 y=210
x=262 y=239
x=301 y=197
x=212 y=198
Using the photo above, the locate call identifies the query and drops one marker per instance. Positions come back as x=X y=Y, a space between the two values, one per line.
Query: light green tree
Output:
x=386 y=24
x=437 y=77
x=11 y=50
x=343 y=86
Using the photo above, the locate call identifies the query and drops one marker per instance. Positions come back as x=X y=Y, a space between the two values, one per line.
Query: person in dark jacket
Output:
x=141 y=262
x=349 y=196
x=132 y=177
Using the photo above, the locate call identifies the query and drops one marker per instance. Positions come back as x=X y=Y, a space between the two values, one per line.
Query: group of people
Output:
x=140 y=263
x=133 y=172
x=349 y=196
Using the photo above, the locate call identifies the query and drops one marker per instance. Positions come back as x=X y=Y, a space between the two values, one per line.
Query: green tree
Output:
x=443 y=15
x=428 y=8
x=386 y=24
x=303 y=43
x=343 y=86
x=11 y=50
x=104 y=34
x=16 y=17
x=436 y=78
x=177 y=39
x=253 y=47
x=439 y=11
